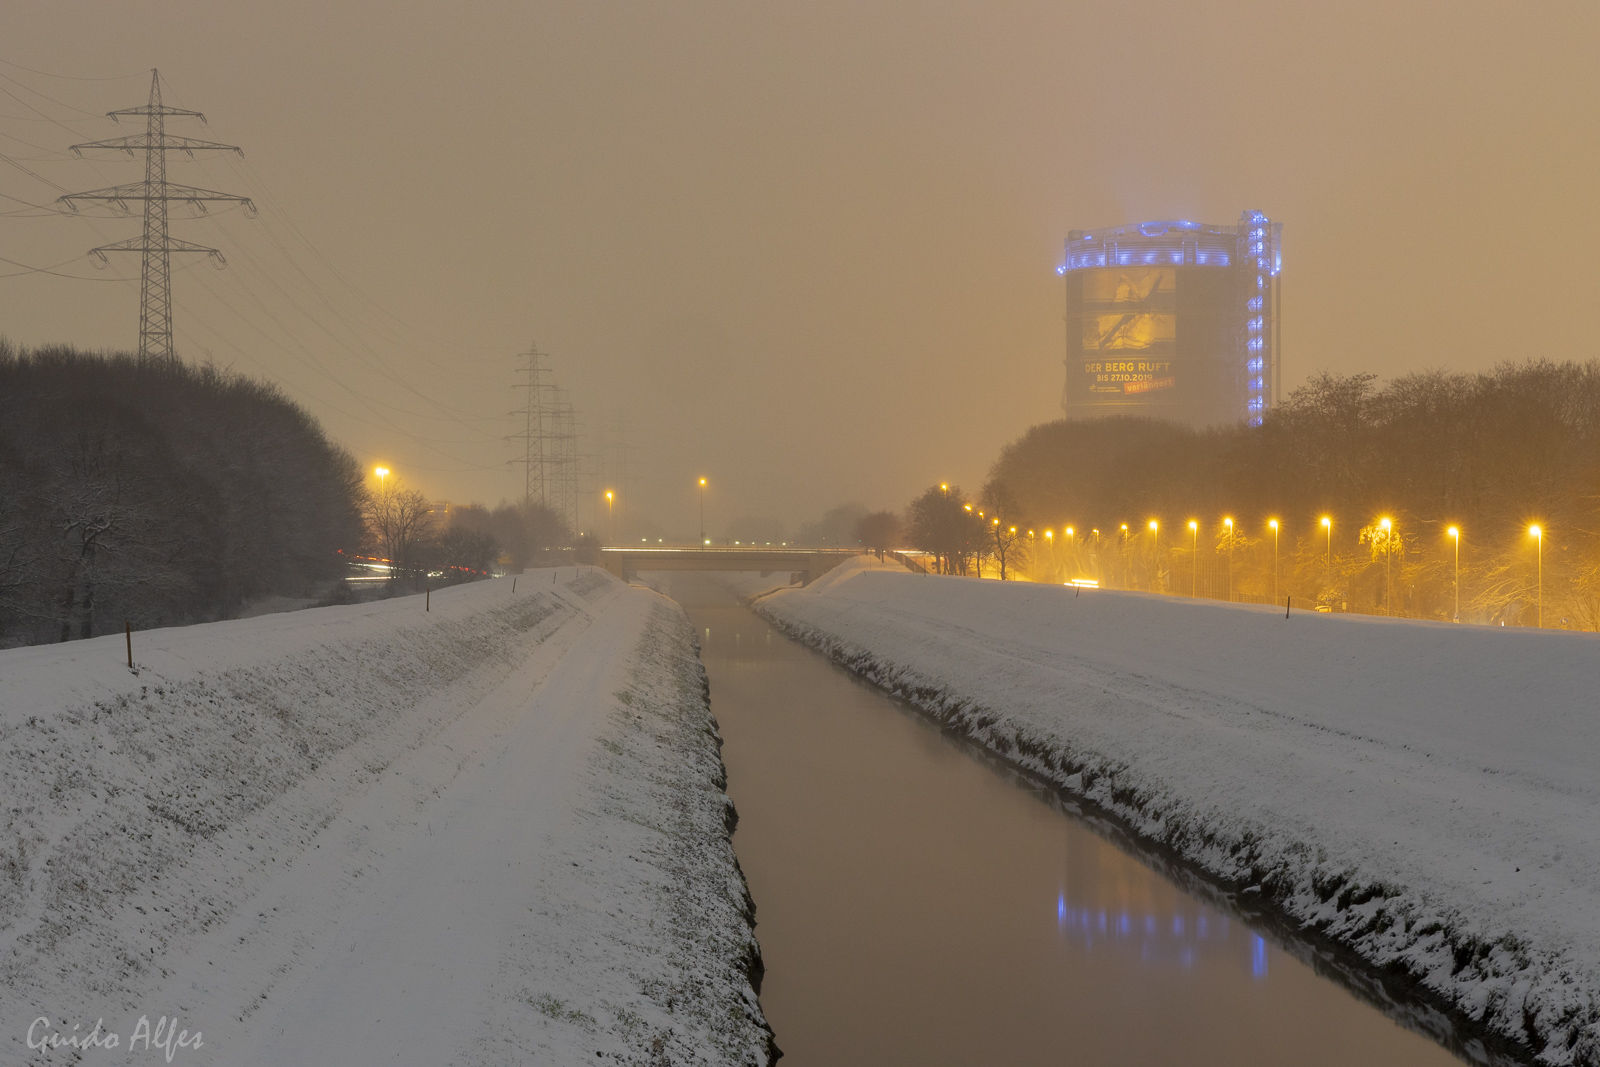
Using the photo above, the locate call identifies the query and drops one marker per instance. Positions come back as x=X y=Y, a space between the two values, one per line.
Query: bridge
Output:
x=809 y=563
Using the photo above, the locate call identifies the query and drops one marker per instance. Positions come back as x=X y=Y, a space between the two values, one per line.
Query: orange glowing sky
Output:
x=804 y=250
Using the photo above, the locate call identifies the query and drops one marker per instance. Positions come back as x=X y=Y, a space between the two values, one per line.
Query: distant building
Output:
x=1175 y=320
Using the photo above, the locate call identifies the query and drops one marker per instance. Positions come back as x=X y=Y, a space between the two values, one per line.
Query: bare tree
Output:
x=1005 y=539
x=400 y=521
x=942 y=522
x=466 y=554
x=879 y=532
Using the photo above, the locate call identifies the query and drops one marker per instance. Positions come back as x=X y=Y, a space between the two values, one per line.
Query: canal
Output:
x=917 y=905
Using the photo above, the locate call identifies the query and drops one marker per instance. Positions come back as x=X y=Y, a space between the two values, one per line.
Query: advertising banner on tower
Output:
x=1130 y=330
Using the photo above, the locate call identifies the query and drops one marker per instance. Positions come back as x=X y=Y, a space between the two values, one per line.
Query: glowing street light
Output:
x=611 y=526
x=1155 y=531
x=1327 y=524
x=1229 y=524
x=1274 y=524
x=703 y=540
x=1539 y=533
x=1194 y=557
x=1455 y=535
x=1388 y=554
x=944 y=487
x=382 y=473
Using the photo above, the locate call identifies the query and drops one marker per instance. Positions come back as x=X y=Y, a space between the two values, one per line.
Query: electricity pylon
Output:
x=155 y=193
x=537 y=431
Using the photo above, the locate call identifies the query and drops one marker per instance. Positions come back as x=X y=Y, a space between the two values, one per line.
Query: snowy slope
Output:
x=491 y=832
x=1427 y=794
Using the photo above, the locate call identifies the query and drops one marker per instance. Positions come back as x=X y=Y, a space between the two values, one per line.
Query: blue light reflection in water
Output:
x=1178 y=938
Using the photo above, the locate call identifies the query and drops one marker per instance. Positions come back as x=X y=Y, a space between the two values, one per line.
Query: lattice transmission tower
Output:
x=155 y=193
x=549 y=440
x=537 y=426
x=566 y=464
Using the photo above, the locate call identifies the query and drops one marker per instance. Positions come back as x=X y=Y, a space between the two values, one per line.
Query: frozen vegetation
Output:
x=1428 y=795
x=494 y=832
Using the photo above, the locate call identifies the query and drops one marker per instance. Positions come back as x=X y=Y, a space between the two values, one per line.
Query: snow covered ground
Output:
x=1426 y=794
x=493 y=832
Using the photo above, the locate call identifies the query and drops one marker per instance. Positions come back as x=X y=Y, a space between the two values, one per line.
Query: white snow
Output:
x=1427 y=794
x=492 y=832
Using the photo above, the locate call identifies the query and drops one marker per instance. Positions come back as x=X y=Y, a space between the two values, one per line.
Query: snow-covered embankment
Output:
x=490 y=832
x=1427 y=795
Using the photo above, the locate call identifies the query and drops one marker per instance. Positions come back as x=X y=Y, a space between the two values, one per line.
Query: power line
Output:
x=69 y=77
x=51 y=270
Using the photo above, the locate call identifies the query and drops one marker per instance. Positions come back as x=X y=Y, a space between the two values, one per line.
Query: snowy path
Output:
x=1428 y=795
x=434 y=898
x=432 y=873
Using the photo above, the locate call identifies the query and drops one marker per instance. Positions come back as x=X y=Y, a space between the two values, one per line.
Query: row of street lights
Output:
x=1385 y=524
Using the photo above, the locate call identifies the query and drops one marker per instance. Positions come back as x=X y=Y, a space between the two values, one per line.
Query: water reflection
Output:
x=1173 y=939
x=1164 y=940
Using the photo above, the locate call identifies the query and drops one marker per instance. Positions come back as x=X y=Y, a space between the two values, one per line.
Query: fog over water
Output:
x=804 y=250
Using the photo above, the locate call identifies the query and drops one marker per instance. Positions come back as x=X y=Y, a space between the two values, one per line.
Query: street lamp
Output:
x=1229 y=524
x=703 y=541
x=382 y=473
x=1327 y=524
x=1455 y=535
x=1194 y=557
x=1388 y=554
x=1274 y=524
x=611 y=525
x=1155 y=531
x=1539 y=533
x=944 y=487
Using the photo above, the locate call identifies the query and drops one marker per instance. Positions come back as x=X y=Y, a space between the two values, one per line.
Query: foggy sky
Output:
x=804 y=250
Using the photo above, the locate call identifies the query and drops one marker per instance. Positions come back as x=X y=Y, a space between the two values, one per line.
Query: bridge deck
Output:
x=812 y=563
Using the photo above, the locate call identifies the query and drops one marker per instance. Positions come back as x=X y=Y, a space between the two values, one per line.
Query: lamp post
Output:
x=1388 y=554
x=1124 y=553
x=1327 y=524
x=1274 y=524
x=703 y=541
x=1455 y=535
x=1539 y=534
x=382 y=473
x=611 y=525
x=1155 y=533
x=1194 y=557
x=1229 y=524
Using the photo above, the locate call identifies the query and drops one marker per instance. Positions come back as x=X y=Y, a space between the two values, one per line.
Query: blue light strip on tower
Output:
x=1252 y=248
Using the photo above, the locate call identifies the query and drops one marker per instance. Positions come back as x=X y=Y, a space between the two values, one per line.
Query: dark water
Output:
x=916 y=906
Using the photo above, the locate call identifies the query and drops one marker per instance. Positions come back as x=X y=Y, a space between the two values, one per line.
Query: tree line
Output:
x=417 y=547
x=1393 y=468
x=152 y=492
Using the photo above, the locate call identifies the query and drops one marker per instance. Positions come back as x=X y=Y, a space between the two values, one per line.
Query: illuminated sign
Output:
x=1128 y=287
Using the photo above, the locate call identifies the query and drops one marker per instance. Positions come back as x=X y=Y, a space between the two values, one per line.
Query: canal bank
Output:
x=1420 y=794
x=918 y=905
